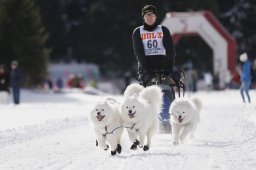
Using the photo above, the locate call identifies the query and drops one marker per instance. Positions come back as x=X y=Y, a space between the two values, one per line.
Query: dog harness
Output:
x=107 y=133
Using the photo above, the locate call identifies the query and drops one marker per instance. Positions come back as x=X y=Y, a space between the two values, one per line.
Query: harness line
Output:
x=107 y=133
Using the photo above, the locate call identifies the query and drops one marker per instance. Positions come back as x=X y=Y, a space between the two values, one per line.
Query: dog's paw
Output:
x=119 y=148
x=136 y=142
x=113 y=153
x=146 y=147
x=97 y=143
x=106 y=148
x=133 y=147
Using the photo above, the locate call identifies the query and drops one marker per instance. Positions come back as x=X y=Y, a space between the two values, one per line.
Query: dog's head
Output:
x=181 y=111
x=102 y=114
x=132 y=109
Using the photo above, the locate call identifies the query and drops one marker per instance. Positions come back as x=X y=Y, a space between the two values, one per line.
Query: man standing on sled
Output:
x=154 y=50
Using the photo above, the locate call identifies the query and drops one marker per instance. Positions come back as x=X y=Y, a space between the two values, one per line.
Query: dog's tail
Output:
x=132 y=89
x=197 y=103
x=154 y=95
x=111 y=100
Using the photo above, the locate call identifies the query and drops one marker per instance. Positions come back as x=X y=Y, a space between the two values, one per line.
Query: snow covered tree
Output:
x=24 y=39
x=240 y=19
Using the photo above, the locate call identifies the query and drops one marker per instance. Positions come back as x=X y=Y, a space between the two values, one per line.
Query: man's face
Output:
x=150 y=18
x=14 y=66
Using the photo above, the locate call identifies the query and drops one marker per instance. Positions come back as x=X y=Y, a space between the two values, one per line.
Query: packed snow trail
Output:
x=53 y=132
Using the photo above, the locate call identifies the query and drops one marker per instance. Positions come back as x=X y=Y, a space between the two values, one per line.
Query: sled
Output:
x=167 y=82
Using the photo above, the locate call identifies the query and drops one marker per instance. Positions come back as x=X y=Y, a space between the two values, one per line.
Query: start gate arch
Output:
x=205 y=25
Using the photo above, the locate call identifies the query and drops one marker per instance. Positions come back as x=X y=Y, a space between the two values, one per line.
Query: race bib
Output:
x=153 y=41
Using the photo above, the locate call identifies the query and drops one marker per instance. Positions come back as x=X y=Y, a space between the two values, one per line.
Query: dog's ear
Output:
x=106 y=103
x=134 y=96
x=176 y=101
x=111 y=100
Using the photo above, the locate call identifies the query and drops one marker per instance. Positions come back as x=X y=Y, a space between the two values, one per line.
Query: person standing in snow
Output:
x=245 y=76
x=4 y=85
x=154 y=51
x=15 y=81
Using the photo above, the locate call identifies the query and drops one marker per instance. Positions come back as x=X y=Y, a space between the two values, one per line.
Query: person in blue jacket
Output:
x=15 y=81
x=245 y=76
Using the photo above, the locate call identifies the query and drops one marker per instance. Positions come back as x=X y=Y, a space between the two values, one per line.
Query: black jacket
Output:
x=4 y=82
x=15 y=78
x=148 y=64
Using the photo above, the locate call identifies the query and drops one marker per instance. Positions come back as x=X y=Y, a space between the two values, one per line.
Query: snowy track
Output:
x=52 y=132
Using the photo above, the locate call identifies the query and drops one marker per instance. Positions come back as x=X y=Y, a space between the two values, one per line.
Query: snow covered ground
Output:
x=53 y=132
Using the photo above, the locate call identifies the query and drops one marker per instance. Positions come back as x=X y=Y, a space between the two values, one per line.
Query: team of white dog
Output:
x=138 y=114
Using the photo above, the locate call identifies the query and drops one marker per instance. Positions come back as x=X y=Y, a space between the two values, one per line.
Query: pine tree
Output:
x=3 y=59
x=24 y=39
x=99 y=31
x=106 y=35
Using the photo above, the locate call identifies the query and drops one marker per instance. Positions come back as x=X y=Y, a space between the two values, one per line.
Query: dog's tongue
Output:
x=131 y=115
x=100 y=117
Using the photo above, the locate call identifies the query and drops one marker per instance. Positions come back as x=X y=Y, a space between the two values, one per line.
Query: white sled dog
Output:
x=184 y=118
x=139 y=112
x=108 y=125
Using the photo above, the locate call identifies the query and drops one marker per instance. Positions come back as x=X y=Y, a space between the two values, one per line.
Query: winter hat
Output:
x=148 y=8
x=15 y=62
x=243 y=57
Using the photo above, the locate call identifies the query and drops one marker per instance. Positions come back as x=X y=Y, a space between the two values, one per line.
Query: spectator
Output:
x=208 y=80
x=49 y=84
x=59 y=84
x=216 y=81
x=15 y=81
x=70 y=82
x=245 y=76
x=4 y=85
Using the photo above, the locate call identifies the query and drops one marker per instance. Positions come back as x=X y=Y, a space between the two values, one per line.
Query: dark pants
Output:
x=16 y=95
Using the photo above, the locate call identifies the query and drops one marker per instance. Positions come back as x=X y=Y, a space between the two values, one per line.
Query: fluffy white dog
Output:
x=139 y=112
x=108 y=125
x=184 y=118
